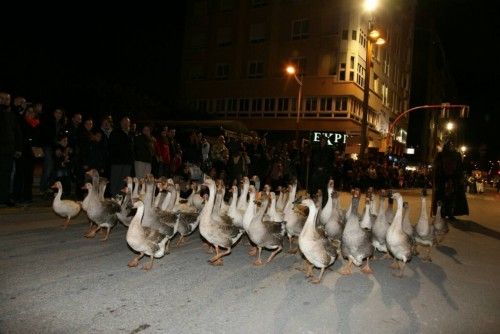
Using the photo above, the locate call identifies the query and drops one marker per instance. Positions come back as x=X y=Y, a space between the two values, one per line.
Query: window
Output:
x=221 y=71
x=311 y=106
x=376 y=84
x=257 y=32
x=300 y=29
x=232 y=105
x=283 y=104
x=225 y=5
x=269 y=104
x=258 y=3
x=220 y=105
x=224 y=37
x=256 y=104
x=333 y=66
x=255 y=69
x=325 y=104
x=341 y=103
x=360 y=76
x=351 y=64
x=353 y=35
x=351 y=76
x=300 y=64
x=344 y=34
x=199 y=40
x=244 y=104
x=196 y=72
x=342 y=72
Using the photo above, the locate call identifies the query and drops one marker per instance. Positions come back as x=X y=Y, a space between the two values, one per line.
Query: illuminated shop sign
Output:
x=332 y=138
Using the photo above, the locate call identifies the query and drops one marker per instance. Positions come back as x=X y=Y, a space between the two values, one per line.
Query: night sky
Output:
x=100 y=61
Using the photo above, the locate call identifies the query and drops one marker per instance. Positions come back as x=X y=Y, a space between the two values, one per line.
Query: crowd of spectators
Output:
x=68 y=145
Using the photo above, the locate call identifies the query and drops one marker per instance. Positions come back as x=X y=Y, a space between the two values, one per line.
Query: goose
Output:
x=187 y=218
x=135 y=191
x=101 y=212
x=315 y=246
x=326 y=212
x=293 y=218
x=356 y=241
x=103 y=183
x=235 y=214
x=65 y=208
x=195 y=199
x=424 y=232
x=272 y=213
x=407 y=227
x=398 y=241
x=265 y=233
x=165 y=222
x=127 y=210
x=256 y=182
x=217 y=230
x=242 y=200
x=282 y=200
x=440 y=224
x=389 y=212
x=144 y=240
x=333 y=227
x=318 y=201
x=366 y=221
x=86 y=201
x=380 y=226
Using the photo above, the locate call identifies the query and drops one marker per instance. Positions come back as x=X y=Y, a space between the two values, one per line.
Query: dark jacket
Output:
x=448 y=184
x=10 y=132
x=120 y=148
x=143 y=149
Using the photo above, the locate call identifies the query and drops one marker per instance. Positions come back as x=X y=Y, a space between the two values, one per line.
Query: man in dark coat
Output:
x=121 y=155
x=10 y=146
x=448 y=183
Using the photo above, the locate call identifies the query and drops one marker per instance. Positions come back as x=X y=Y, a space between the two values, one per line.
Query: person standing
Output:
x=143 y=152
x=10 y=147
x=448 y=185
x=23 y=179
x=120 y=154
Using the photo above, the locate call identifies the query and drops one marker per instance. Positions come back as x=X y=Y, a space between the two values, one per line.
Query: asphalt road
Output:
x=55 y=281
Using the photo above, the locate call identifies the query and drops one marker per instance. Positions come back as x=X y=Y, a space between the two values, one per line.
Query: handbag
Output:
x=37 y=152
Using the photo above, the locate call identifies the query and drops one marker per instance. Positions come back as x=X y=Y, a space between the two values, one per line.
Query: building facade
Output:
x=236 y=51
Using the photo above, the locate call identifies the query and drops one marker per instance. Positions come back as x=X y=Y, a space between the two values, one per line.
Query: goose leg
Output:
x=427 y=257
x=316 y=280
x=252 y=251
x=292 y=250
x=180 y=241
x=400 y=274
x=394 y=264
x=107 y=234
x=258 y=262
x=135 y=261
x=387 y=256
x=217 y=259
x=308 y=269
x=92 y=233
x=273 y=254
x=167 y=247
x=65 y=224
x=366 y=269
x=346 y=269
x=148 y=265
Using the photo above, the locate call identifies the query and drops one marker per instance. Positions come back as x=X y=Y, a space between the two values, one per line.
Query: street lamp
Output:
x=373 y=37
x=291 y=70
x=450 y=126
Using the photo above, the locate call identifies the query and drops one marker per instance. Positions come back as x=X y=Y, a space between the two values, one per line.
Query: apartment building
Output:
x=236 y=51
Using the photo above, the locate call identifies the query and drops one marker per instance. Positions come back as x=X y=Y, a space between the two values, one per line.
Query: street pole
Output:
x=299 y=98
x=366 y=98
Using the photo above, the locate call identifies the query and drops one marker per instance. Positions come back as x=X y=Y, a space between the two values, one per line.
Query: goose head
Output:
x=57 y=185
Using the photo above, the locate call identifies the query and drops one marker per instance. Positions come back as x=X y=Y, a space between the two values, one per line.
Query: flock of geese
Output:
x=155 y=213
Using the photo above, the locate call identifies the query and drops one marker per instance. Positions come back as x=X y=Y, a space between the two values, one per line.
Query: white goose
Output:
x=144 y=240
x=326 y=212
x=398 y=241
x=424 y=231
x=315 y=246
x=217 y=230
x=356 y=241
x=65 y=208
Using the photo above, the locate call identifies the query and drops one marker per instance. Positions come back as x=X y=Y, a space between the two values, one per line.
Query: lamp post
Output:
x=373 y=37
x=292 y=71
